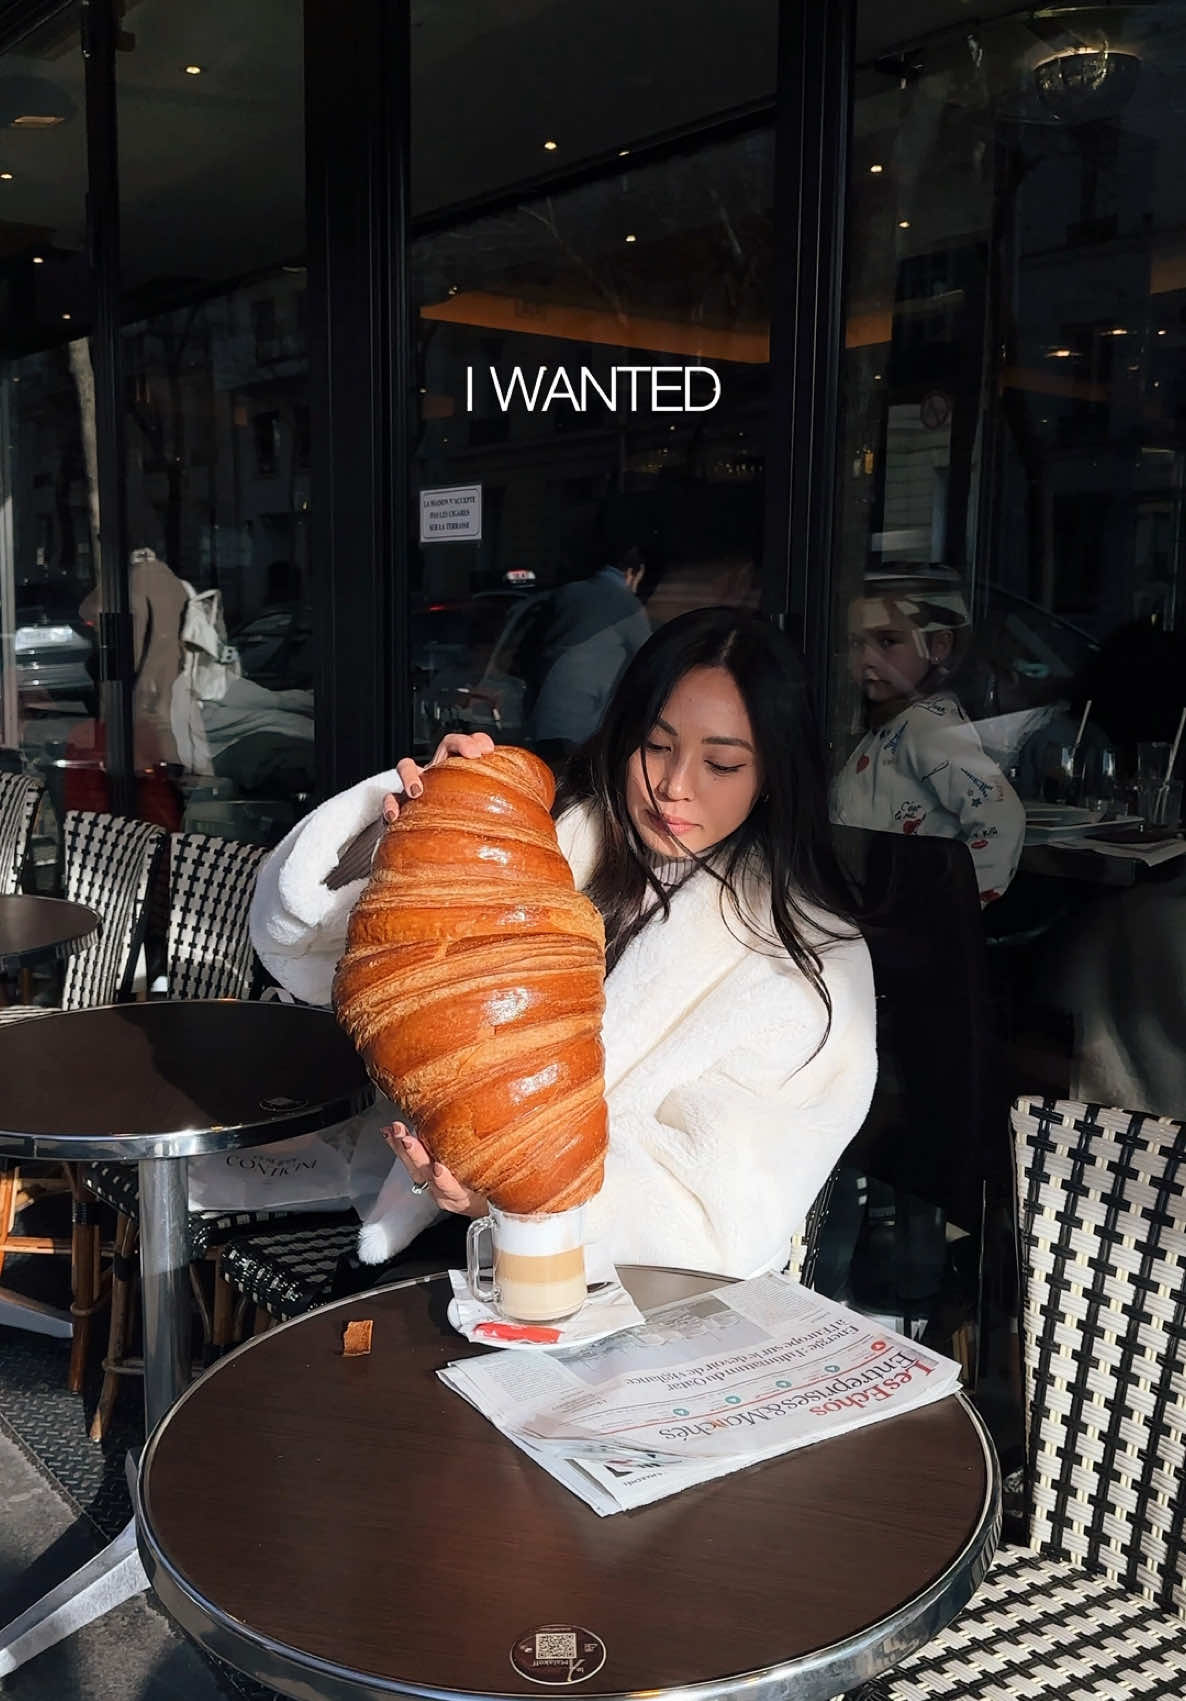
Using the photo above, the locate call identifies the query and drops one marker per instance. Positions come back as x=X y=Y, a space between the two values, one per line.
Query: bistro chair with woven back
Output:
x=20 y=795
x=1095 y=1603
x=208 y=955
x=107 y=863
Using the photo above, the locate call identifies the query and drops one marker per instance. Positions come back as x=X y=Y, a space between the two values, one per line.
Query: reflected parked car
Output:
x=453 y=644
x=276 y=647
x=495 y=696
x=55 y=650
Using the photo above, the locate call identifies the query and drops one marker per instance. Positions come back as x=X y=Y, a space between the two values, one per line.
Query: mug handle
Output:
x=473 y=1260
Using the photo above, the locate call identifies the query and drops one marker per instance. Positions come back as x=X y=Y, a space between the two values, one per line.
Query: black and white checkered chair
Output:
x=210 y=886
x=1094 y=1608
x=20 y=794
x=209 y=955
x=107 y=864
x=285 y=1275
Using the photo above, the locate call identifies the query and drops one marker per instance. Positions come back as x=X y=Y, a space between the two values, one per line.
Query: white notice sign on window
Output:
x=451 y=513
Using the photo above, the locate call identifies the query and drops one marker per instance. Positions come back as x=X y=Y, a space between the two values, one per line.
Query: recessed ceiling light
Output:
x=622 y=152
x=65 y=315
x=38 y=260
x=903 y=224
x=1059 y=353
x=1160 y=333
x=1117 y=331
x=551 y=146
x=6 y=177
x=193 y=70
x=876 y=170
x=632 y=238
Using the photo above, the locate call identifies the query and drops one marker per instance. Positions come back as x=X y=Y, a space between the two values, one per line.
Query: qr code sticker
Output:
x=555 y=1645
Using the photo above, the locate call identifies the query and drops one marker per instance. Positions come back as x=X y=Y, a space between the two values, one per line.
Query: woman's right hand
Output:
x=472 y=744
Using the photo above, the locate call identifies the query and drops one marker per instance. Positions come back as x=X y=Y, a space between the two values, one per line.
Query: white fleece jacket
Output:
x=723 y=1126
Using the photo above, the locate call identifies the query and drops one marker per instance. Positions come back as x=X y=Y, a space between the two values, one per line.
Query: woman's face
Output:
x=888 y=656
x=702 y=763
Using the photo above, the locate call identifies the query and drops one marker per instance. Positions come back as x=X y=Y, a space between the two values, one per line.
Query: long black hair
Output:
x=785 y=842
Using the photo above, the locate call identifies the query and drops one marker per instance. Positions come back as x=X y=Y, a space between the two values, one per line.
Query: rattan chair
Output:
x=209 y=955
x=20 y=795
x=107 y=863
x=1095 y=1604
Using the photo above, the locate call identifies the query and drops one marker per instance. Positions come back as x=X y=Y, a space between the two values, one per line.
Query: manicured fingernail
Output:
x=389 y=815
x=415 y=789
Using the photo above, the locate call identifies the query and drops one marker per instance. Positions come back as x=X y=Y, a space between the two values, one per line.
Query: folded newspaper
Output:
x=703 y=1387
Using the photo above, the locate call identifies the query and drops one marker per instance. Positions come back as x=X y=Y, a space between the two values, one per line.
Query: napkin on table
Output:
x=606 y=1311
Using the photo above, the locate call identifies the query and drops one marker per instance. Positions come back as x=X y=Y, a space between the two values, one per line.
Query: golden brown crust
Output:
x=473 y=984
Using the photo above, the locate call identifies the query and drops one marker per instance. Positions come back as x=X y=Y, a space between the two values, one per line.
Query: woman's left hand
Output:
x=444 y=1186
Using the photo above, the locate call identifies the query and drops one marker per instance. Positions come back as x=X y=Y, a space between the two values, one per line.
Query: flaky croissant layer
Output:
x=473 y=984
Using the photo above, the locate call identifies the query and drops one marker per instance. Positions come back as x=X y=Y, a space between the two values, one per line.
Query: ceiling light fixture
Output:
x=38 y=260
x=33 y=103
x=903 y=224
x=632 y=238
x=65 y=315
x=193 y=70
x=1087 y=83
x=622 y=152
x=1059 y=353
x=551 y=146
x=876 y=170
x=5 y=177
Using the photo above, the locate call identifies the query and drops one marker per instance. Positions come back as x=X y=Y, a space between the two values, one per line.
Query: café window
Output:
x=593 y=376
x=1013 y=450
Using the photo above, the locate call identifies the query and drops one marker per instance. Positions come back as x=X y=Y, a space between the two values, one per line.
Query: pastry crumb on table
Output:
x=356 y=1337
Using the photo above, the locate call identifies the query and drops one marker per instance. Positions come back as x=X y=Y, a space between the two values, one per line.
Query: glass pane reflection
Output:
x=542 y=334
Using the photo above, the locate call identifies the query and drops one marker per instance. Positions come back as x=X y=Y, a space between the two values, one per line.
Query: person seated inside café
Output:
x=919 y=765
x=739 y=1029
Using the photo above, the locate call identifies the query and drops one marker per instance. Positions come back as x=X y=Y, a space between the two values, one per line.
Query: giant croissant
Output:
x=473 y=985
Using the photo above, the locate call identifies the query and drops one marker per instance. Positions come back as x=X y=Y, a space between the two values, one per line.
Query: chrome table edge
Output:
x=819 y=1676
x=57 y=950
x=119 y=1147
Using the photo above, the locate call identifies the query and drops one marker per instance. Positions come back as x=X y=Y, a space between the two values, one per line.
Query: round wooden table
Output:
x=37 y=930
x=350 y=1528
x=155 y=1084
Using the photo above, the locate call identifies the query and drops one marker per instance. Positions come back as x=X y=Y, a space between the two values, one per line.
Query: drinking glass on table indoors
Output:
x=1101 y=791
x=1158 y=802
x=1062 y=775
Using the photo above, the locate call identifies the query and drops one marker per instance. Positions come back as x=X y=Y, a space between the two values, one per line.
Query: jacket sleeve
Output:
x=725 y=1169
x=298 y=925
x=944 y=753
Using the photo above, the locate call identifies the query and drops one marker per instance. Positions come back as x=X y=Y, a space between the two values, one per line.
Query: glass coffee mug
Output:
x=539 y=1264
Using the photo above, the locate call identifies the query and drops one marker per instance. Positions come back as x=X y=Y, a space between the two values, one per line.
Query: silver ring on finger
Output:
x=420 y=1187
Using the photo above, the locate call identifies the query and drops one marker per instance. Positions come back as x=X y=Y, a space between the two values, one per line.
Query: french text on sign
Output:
x=451 y=514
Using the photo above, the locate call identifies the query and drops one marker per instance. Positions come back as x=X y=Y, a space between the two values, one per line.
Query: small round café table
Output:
x=34 y=929
x=155 y=1084
x=349 y=1528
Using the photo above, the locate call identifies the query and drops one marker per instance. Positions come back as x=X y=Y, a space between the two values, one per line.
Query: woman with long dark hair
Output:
x=739 y=1029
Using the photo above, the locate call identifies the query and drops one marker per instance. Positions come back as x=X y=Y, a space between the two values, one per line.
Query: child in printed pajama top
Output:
x=920 y=767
